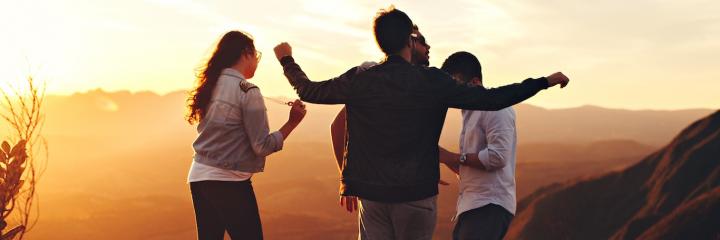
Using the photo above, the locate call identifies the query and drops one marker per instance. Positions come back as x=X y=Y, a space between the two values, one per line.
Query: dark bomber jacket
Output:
x=395 y=113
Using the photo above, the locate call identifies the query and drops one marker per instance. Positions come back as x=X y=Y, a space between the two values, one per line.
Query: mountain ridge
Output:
x=629 y=204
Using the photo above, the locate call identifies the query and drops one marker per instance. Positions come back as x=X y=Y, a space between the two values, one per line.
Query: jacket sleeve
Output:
x=333 y=91
x=256 y=125
x=478 y=98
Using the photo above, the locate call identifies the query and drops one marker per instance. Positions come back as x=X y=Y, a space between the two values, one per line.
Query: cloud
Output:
x=326 y=25
x=218 y=22
x=344 y=11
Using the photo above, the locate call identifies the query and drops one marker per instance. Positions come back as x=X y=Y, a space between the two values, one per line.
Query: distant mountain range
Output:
x=92 y=113
x=673 y=193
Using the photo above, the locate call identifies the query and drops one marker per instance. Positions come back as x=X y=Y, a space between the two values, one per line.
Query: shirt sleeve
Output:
x=500 y=134
x=479 y=98
x=332 y=91
x=256 y=125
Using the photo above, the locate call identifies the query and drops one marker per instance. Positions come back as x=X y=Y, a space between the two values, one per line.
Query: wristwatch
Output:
x=463 y=158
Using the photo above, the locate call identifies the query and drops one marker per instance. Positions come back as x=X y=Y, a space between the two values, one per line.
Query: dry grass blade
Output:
x=6 y=147
x=12 y=233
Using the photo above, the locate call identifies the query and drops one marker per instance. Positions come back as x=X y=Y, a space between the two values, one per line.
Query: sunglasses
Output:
x=419 y=38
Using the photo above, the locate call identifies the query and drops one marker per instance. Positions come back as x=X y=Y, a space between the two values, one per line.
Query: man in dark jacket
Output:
x=395 y=114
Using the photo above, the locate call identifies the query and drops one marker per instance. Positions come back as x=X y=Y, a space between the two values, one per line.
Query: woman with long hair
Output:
x=233 y=140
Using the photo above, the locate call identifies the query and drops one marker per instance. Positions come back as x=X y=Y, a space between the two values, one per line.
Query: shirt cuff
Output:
x=279 y=139
x=484 y=157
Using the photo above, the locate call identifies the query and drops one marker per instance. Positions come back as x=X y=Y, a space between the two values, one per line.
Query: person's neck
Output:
x=241 y=68
x=404 y=54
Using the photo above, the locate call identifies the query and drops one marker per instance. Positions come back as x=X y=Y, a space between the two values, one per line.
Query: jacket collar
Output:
x=232 y=73
x=396 y=59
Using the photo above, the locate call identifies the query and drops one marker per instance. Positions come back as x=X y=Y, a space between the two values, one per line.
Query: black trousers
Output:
x=488 y=222
x=225 y=206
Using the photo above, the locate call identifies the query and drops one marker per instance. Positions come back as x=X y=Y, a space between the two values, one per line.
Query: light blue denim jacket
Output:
x=234 y=134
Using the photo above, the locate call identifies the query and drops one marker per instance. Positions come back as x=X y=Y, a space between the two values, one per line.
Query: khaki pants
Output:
x=398 y=221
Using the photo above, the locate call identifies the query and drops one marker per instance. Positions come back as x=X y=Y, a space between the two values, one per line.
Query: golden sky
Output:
x=621 y=54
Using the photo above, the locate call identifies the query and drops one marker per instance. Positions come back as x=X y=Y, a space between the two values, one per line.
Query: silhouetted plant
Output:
x=22 y=110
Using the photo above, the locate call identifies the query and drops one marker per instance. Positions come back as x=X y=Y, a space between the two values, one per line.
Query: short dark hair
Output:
x=392 y=29
x=463 y=63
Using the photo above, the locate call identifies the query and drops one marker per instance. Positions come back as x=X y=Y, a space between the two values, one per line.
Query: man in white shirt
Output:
x=486 y=162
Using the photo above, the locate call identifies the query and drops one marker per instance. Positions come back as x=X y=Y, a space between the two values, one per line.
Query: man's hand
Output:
x=446 y=156
x=349 y=202
x=558 y=78
x=450 y=159
x=283 y=49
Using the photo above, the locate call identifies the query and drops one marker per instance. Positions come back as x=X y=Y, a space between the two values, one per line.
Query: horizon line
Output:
x=134 y=92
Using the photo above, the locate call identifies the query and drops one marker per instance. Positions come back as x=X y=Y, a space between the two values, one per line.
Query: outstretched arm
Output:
x=479 y=98
x=332 y=91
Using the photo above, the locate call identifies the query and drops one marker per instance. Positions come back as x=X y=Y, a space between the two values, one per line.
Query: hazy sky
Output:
x=624 y=54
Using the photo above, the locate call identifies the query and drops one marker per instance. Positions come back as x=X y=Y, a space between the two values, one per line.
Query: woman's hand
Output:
x=297 y=112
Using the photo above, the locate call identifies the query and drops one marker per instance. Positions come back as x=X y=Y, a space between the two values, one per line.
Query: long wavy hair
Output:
x=231 y=47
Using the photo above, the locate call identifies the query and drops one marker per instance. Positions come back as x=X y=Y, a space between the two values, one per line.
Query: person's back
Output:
x=395 y=116
x=213 y=145
x=495 y=184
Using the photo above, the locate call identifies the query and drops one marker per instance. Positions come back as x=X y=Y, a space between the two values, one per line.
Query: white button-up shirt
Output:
x=492 y=136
